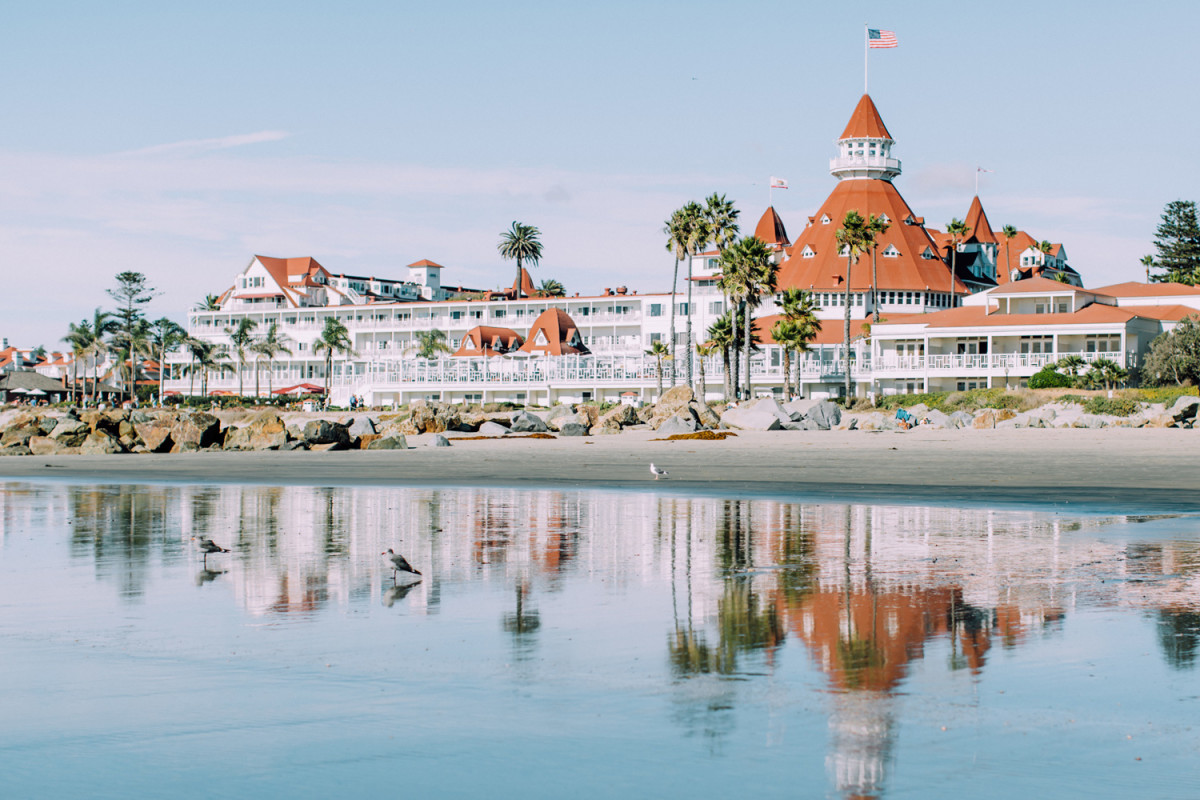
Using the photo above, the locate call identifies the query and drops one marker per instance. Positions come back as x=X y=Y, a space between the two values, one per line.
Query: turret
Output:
x=865 y=147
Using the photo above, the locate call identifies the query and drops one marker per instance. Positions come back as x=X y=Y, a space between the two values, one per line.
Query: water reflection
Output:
x=861 y=593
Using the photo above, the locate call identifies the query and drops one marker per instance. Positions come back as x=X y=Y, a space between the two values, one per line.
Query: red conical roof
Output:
x=770 y=228
x=977 y=221
x=865 y=122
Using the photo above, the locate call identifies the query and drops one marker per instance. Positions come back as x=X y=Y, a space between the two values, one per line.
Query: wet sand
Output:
x=1155 y=470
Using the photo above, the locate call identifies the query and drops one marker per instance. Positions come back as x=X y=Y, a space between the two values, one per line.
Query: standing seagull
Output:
x=208 y=546
x=656 y=471
x=399 y=563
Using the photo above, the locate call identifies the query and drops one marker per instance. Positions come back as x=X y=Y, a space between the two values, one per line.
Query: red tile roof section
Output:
x=770 y=228
x=1139 y=289
x=425 y=262
x=486 y=340
x=1040 y=285
x=561 y=332
x=977 y=221
x=865 y=122
x=827 y=269
x=978 y=316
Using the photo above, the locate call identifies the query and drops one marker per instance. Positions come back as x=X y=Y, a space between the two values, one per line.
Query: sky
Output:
x=179 y=140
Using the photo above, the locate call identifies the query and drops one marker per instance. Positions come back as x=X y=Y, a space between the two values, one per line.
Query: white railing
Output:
x=1012 y=362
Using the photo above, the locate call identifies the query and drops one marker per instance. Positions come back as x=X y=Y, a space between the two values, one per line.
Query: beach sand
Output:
x=1154 y=470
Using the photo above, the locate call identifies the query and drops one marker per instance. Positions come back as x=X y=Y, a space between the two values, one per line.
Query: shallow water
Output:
x=587 y=644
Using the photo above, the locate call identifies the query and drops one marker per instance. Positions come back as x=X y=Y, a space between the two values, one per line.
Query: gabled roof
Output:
x=1040 y=285
x=560 y=335
x=827 y=269
x=1008 y=254
x=770 y=228
x=865 y=122
x=1173 y=313
x=425 y=262
x=486 y=340
x=977 y=221
x=1139 y=289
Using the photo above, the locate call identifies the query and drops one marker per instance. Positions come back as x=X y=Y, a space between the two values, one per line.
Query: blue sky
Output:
x=180 y=139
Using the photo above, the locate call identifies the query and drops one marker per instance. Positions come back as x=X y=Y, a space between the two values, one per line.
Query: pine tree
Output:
x=1178 y=243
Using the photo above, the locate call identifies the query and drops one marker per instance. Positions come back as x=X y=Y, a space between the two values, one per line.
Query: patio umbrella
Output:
x=35 y=393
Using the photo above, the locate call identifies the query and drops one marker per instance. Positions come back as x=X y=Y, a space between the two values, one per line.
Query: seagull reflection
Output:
x=398 y=592
x=207 y=575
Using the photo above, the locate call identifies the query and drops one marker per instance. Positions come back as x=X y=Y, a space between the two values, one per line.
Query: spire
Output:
x=770 y=228
x=865 y=122
x=977 y=221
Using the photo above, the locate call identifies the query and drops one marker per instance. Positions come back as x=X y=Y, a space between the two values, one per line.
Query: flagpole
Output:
x=866 y=52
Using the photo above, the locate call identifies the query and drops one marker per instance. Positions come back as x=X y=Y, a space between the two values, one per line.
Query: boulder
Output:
x=680 y=423
x=556 y=416
x=155 y=437
x=263 y=431
x=392 y=442
x=919 y=410
x=847 y=423
x=100 y=442
x=877 y=421
x=1089 y=421
x=622 y=415
x=770 y=405
x=746 y=418
x=988 y=417
x=292 y=444
x=438 y=440
x=524 y=422
x=360 y=427
x=798 y=409
x=572 y=429
x=46 y=425
x=937 y=420
x=825 y=414
x=1184 y=408
x=490 y=428
x=322 y=447
x=199 y=429
x=43 y=446
x=322 y=431
x=645 y=413
x=672 y=402
x=16 y=450
x=18 y=436
x=185 y=447
x=586 y=415
x=1065 y=418
x=704 y=415
x=1160 y=421
x=70 y=432
x=604 y=426
x=961 y=419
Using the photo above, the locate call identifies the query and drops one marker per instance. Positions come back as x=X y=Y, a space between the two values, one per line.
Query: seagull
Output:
x=399 y=563
x=656 y=471
x=208 y=546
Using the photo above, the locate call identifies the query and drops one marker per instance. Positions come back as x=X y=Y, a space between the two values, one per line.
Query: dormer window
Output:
x=891 y=252
x=884 y=219
x=807 y=252
x=927 y=254
x=825 y=220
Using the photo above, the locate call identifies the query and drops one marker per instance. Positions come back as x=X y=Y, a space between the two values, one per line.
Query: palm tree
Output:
x=721 y=337
x=210 y=302
x=1147 y=262
x=206 y=357
x=957 y=230
x=1009 y=233
x=799 y=307
x=241 y=338
x=1106 y=372
x=1044 y=247
x=704 y=350
x=165 y=334
x=854 y=238
x=748 y=273
x=659 y=351
x=335 y=338
x=79 y=337
x=102 y=324
x=677 y=230
x=877 y=227
x=1072 y=365
x=521 y=242
x=720 y=218
x=429 y=343
x=270 y=345
x=550 y=288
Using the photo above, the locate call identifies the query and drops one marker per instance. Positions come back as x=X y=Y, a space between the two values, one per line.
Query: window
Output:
x=1037 y=344
x=1064 y=308
x=456 y=315
x=807 y=252
x=498 y=313
x=476 y=314
x=1104 y=344
x=583 y=312
x=682 y=308
x=825 y=220
x=891 y=251
x=716 y=307
x=656 y=309
x=655 y=337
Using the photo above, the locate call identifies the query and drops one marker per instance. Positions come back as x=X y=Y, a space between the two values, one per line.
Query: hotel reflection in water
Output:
x=865 y=589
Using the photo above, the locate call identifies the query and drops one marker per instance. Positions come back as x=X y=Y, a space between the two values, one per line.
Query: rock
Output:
x=392 y=442
x=321 y=431
x=746 y=418
x=524 y=422
x=18 y=436
x=293 y=444
x=988 y=417
x=47 y=424
x=1089 y=421
x=672 y=402
x=919 y=410
x=323 y=447
x=798 y=409
x=70 y=432
x=586 y=415
x=16 y=450
x=438 y=440
x=360 y=427
x=622 y=415
x=847 y=423
x=155 y=437
x=555 y=417
x=263 y=431
x=704 y=415
x=645 y=413
x=365 y=440
x=606 y=425
x=937 y=420
x=199 y=429
x=1159 y=421
x=825 y=414
x=572 y=429
x=677 y=424
x=1066 y=417
x=1184 y=408
x=961 y=419
x=185 y=447
x=100 y=442
x=42 y=446
x=490 y=428
x=877 y=421
x=772 y=406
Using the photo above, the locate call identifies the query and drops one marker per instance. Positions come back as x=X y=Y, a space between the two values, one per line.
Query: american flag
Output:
x=880 y=38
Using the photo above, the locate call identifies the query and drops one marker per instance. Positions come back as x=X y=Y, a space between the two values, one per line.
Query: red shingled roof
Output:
x=978 y=316
x=485 y=340
x=1139 y=289
x=865 y=122
x=425 y=262
x=826 y=270
x=560 y=335
x=770 y=228
x=977 y=221
x=1040 y=285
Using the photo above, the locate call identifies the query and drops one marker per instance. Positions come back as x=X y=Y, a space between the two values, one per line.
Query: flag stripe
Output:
x=778 y=183
x=881 y=38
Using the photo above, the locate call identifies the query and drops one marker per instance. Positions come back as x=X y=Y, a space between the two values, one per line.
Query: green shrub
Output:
x=1116 y=406
x=1162 y=394
x=1070 y=398
x=1050 y=378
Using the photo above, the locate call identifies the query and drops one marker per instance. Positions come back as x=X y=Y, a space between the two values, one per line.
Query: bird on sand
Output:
x=399 y=563
x=208 y=547
x=656 y=471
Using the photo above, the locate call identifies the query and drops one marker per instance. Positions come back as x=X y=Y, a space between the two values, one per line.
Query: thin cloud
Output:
x=207 y=145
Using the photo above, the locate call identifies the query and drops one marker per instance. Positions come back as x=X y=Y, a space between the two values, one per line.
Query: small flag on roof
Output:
x=778 y=183
x=881 y=38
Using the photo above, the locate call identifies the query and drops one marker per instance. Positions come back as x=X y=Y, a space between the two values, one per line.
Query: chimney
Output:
x=622 y=289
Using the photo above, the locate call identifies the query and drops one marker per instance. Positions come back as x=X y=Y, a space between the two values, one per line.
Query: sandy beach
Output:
x=1151 y=469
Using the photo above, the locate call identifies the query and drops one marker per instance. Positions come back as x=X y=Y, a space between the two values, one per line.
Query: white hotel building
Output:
x=1011 y=308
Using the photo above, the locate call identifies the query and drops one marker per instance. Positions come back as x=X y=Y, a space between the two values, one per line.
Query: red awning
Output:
x=301 y=388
